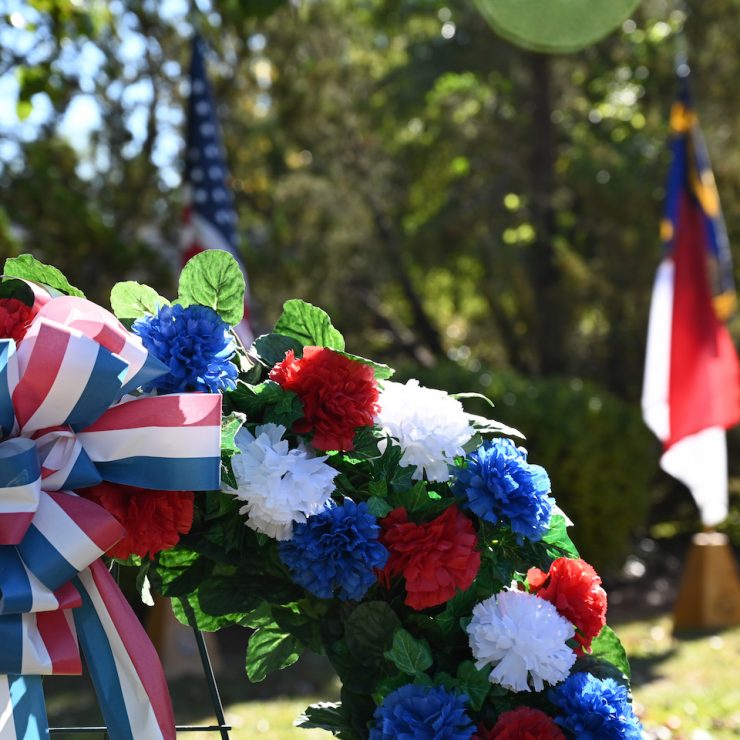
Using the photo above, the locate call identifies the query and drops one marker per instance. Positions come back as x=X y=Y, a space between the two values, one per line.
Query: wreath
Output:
x=373 y=521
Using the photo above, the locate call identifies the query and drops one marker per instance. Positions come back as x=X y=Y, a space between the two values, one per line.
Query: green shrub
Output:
x=600 y=457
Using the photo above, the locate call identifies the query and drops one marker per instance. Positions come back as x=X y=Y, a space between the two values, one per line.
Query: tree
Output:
x=435 y=188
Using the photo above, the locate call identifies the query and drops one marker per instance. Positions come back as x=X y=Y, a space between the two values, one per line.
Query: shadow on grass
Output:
x=71 y=700
x=645 y=669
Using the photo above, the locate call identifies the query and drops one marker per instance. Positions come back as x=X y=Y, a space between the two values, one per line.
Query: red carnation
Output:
x=154 y=520
x=574 y=588
x=436 y=558
x=339 y=395
x=522 y=724
x=15 y=318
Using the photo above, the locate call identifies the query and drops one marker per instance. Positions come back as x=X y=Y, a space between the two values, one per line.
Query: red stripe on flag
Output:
x=704 y=388
x=34 y=385
x=60 y=643
x=176 y=410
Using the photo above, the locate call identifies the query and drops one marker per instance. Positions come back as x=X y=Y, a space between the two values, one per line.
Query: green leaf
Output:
x=600 y=668
x=419 y=501
x=187 y=611
x=472 y=394
x=474 y=683
x=23 y=109
x=459 y=605
x=268 y=402
x=29 y=268
x=130 y=300
x=608 y=646
x=17 y=289
x=230 y=426
x=310 y=325
x=489 y=426
x=378 y=488
x=220 y=596
x=328 y=716
x=178 y=572
x=369 y=630
x=270 y=649
x=557 y=537
x=378 y=507
x=213 y=278
x=382 y=372
x=386 y=685
x=408 y=654
x=272 y=347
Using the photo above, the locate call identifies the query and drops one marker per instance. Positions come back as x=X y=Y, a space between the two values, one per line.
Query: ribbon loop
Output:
x=105 y=329
x=165 y=442
x=8 y=382
x=67 y=534
x=64 y=464
x=60 y=391
x=65 y=378
x=20 y=488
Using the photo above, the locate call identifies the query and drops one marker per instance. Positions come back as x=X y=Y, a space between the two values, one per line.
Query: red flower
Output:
x=15 y=318
x=522 y=724
x=436 y=558
x=339 y=395
x=154 y=520
x=574 y=588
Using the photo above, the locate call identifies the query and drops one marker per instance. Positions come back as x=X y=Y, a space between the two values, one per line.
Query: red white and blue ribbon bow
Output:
x=66 y=423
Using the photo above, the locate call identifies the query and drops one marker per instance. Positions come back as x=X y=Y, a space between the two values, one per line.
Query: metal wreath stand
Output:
x=218 y=708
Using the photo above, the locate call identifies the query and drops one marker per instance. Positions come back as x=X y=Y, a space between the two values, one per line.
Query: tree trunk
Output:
x=549 y=321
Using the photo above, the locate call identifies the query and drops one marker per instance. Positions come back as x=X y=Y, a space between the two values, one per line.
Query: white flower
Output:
x=430 y=426
x=522 y=637
x=280 y=485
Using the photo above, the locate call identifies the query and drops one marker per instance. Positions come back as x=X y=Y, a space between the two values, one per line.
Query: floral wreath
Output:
x=372 y=521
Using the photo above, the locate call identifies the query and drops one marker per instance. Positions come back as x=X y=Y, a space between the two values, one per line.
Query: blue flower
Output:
x=195 y=344
x=422 y=713
x=595 y=709
x=336 y=550
x=497 y=482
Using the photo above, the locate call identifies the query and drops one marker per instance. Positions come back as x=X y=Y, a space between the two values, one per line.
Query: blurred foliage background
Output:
x=484 y=216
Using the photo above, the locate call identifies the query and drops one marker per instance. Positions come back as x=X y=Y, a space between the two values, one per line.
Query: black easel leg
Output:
x=212 y=686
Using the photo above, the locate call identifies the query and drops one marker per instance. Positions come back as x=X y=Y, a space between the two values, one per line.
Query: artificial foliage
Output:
x=378 y=523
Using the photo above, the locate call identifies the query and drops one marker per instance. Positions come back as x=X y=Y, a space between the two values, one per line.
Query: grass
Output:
x=684 y=689
x=687 y=689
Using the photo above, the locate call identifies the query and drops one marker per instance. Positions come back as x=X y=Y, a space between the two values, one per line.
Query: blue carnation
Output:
x=497 y=483
x=195 y=344
x=336 y=551
x=422 y=713
x=595 y=709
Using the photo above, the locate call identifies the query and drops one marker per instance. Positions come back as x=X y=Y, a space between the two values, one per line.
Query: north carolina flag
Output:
x=209 y=217
x=691 y=389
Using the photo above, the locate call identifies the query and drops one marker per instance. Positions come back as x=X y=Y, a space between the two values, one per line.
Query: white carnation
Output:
x=430 y=426
x=280 y=486
x=523 y=637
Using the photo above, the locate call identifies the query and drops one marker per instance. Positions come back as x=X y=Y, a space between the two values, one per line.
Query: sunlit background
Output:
x=480 y=216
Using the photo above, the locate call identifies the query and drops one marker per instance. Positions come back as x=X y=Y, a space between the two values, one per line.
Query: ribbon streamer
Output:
x=66 y=422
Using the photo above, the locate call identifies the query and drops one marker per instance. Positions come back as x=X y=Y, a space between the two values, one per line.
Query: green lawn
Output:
x=686 y=689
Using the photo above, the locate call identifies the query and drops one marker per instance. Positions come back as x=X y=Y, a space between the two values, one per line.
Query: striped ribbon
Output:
x=66 y=422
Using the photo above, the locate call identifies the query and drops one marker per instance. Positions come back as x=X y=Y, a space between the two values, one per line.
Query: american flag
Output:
x=209 y=217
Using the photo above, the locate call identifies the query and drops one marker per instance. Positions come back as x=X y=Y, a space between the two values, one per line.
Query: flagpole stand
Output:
x=709 y=596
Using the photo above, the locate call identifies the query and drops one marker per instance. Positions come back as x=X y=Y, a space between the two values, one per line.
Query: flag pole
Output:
x=709 y=593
